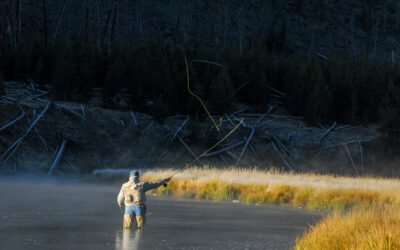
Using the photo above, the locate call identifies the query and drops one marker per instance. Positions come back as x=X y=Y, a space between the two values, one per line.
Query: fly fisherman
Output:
x=132 y=194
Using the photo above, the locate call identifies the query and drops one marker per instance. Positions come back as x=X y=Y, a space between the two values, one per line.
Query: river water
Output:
x=44 y=213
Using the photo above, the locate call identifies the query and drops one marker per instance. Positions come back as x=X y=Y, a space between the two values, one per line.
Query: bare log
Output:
x=321 y=55
x=13 y=121
x=229 y=120
x=258 y=125
x=270 y=115
x=45 y=109
x=245 y=146
x=209 y=62
x=32 y=95
x=351 y=158
x=281 y=157
x=224 y=159
x=111 y=142
x=276 y=96
x=180 y=128
x=342 y=144
x=147 y=128
x=237 y=119
x=284 y=148
x=239 y=111
x=266 y=113
x=134 y=118
x=16 y=145
x=326 y=132
x=83 y=112
x=251 y=146
x=42 y=140
x=71 y=165
x=36 y=96
x=70 y=110
x=188 y=148
x=241 y=86
x=231 y=154
x=163 y=154
x=176 y=158
x=14 y=100
x=346 y=127
x=277 y=91
x=64 y=107
x=57 y=159
x=19 y=140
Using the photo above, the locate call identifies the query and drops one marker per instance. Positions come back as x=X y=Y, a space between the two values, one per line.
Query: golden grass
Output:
x=365 y=211
x=365 y=227
x=271 y=177
x=258 y=186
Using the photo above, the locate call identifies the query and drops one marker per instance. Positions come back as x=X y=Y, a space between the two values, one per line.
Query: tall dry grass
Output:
x=365 y=227
x=258 y=186
x=365 y=211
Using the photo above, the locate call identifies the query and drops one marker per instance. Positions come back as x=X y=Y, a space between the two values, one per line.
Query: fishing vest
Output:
x=134 y=193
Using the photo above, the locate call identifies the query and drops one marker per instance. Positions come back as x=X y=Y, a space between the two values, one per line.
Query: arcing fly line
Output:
x=208 y=150
x=212 y=119
x=197 y=97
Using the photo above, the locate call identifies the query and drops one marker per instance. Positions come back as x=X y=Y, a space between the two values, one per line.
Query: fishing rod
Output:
x=212 y=119
x=208 y=150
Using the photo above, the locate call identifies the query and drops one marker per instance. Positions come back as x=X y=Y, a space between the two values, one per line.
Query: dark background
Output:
x=334 y=60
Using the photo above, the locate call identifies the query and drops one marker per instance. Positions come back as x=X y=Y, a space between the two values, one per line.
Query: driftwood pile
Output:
x=292 y=144
x=284 y=137
x=290 y=140
x=34 y=102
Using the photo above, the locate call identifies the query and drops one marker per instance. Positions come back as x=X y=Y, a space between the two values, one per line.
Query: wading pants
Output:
x=135 y=215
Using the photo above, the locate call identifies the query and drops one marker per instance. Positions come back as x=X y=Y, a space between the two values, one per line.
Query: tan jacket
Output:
x=133 y=192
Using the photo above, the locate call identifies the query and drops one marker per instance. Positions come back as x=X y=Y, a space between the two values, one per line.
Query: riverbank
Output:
x=363 y=212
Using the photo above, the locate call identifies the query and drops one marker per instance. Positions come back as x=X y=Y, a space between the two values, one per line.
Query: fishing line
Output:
x=208 y=150
x=213 y=121
x=197 y=97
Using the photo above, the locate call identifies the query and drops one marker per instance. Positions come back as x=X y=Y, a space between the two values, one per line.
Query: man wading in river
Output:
x=132 y=194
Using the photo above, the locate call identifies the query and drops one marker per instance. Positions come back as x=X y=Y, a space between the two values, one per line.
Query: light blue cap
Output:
x=134 y=173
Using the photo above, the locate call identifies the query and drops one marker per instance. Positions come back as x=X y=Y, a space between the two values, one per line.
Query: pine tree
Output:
x=64 y=70
x=390 y=118
x=84 y=56
x=222 y=92
x=114 y=77
x=2 y=91
x=314 y=98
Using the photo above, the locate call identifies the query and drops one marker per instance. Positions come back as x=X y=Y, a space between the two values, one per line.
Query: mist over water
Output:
x=42 y=213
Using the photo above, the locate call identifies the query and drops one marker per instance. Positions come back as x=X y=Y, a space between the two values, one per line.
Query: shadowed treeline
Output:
x=335 y=61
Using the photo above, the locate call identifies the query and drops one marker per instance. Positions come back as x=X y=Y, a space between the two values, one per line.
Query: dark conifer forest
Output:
x=334 y=60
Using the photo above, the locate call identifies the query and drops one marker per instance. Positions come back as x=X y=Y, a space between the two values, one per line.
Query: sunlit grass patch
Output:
x=365 y=212
x=374 y=226
x=227 y=185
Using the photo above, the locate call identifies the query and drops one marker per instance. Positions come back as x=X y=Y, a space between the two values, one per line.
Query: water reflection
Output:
x=128 y=240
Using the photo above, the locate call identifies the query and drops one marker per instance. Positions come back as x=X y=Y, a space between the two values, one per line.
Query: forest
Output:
x=134 y=52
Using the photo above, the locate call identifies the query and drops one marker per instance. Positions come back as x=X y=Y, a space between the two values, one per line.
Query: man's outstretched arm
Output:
x=151 y=185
